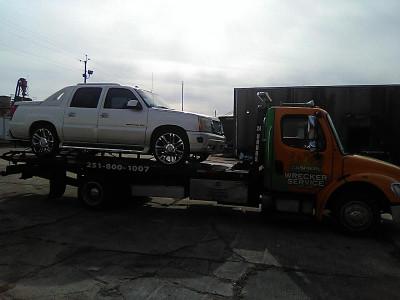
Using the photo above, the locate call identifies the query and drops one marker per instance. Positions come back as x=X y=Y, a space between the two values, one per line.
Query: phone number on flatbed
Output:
x=117 y=167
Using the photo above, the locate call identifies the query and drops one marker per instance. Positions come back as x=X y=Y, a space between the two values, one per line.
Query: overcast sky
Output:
x=211 y=45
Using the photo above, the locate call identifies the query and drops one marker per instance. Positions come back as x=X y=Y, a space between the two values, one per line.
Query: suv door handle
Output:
x=71 y=114
x=104 y=115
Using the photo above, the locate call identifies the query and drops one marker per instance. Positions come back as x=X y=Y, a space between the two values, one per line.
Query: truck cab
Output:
x=307 y=170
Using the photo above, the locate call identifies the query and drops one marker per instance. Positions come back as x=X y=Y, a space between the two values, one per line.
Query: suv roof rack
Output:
x=307 y=104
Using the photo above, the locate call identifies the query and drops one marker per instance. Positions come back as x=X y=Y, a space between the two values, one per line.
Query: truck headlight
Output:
x=396 y=189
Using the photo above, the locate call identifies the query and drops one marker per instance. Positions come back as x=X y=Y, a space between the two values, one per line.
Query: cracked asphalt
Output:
x=181 y=249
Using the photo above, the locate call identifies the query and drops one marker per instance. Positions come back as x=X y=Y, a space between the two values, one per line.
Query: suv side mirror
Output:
x=133 y=104
x=312 y=133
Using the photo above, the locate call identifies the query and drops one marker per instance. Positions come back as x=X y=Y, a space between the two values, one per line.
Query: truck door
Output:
x=119 y=124
x=80 y=116
x=294 y=168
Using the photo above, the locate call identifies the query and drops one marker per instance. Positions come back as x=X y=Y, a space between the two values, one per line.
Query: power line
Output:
x=32 y=55
x=40 y=37
x=50 y=44
x=24 y=39
x=40 y=40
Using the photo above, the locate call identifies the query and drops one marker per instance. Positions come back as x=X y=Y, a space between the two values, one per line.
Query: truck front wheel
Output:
x=357 y=214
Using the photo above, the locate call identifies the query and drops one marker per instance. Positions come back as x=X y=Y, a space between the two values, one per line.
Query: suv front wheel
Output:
x=171 y=146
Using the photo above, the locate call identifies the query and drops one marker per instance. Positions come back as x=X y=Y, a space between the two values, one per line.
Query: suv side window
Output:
x=294 y=130
x=87 y=97
x=118 y=98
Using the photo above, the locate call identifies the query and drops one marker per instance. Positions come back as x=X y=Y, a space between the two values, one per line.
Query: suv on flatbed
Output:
x=115 y=118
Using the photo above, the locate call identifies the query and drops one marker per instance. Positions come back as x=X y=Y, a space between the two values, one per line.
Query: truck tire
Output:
x=93 y=192
x=357 y=214
x=44 y=140
x=58 y=185
x=171 y=146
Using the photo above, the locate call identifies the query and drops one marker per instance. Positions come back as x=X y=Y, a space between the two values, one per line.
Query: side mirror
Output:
x=133 y=104
x=311 y=133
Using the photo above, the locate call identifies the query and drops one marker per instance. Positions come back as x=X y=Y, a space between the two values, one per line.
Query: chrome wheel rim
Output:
x=357 y=215
x=169 y=148
x=43 y=141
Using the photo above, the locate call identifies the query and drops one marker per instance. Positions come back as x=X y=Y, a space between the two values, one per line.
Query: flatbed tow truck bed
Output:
x=104 y=177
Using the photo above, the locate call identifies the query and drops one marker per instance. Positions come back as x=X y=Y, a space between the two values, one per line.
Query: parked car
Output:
x=115 y=118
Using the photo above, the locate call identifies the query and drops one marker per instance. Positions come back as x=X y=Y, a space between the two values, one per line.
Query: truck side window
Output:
x=87 y=97
x=294 y=130
x=118 y=98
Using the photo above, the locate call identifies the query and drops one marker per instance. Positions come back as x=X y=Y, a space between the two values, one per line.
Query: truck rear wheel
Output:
x=44 y=140
x=93 y=193
x=357 y=214
x=57 y=184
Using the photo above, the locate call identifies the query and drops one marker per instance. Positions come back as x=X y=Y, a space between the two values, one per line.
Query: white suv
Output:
x=115 y=118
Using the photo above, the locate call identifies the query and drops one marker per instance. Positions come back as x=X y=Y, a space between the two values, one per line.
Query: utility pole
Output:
x=182 y=95
x=87 y=73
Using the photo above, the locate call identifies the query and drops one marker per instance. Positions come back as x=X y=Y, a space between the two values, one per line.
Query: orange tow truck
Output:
x=305 y=160
x=298 y=166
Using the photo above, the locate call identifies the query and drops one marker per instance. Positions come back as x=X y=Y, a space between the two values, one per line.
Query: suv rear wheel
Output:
x=44 y=140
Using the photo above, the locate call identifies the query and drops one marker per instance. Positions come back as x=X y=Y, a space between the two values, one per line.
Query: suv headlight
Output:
x=217 y=127
x=396 y=189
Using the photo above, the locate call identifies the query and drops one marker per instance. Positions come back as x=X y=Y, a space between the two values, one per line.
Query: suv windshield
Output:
x=153 y=100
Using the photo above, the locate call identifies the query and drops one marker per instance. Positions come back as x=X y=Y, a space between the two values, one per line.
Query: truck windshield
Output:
x=153 y=100
x=338 y=142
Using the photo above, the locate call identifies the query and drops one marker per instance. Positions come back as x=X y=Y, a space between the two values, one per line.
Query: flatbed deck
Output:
x=218 y=179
